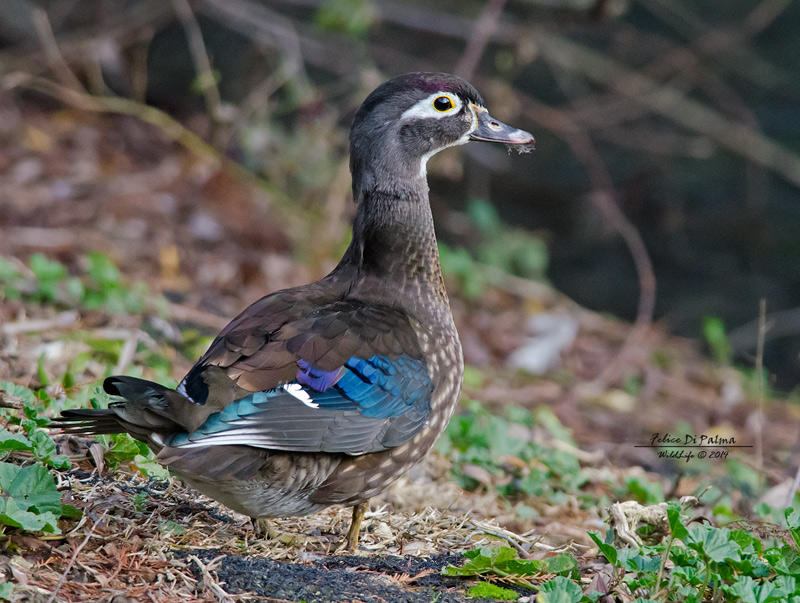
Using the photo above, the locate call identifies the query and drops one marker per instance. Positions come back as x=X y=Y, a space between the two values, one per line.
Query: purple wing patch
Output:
x=317 y=379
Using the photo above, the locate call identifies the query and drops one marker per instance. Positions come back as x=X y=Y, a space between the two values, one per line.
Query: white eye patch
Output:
x=427 y=107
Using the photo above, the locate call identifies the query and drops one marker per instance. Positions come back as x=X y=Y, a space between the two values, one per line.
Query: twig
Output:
x=793 y=489
x=208 y=580
x=257 y=97
x=182 y=313
x=727 y=45
x=170 y=127
x=202 y=64
x=762 y=331
x=127 y=353
x=484 y=27
x=63 y=320
x=670 y=102
x=259 y=23
x=114 y=104
x=127 y=27
x=52 y=53
x=603 y=198
x=74 y=558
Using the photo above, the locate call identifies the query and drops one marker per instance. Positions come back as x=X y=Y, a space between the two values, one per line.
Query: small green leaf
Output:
x=688 y=574
x=503 y=561
x=101 y=269
x=786 y=586
x=746 y=541
x=717 y=338
x=608 y=551
x=559 y=590
x=793 y=521
x=645 y=491
x=6 y=589
x=676 y=527
x=149 y=466
x=47 y=270
x=170 y=527
x=350 y=16
x=123 y=449
x=642 y=563
x=562 y=565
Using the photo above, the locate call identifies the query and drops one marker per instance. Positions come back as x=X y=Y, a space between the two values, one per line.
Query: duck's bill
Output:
x=490 y=129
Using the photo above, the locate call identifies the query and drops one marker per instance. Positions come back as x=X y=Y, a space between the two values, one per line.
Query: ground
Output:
x=210 y=241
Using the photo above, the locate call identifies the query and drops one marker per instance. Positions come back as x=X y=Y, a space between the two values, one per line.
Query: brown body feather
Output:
x=385 y=299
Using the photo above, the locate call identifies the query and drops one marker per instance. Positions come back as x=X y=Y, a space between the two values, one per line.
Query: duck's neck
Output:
x=394 y=244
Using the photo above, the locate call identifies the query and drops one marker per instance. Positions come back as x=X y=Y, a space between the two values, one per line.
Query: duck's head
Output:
x=411 y=117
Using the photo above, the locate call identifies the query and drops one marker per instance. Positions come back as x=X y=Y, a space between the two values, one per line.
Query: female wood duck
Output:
x=327 y=393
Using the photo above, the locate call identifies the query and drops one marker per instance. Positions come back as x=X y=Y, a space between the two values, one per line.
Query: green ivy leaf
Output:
x=642 y=563
x=32 y=487
x=149 y=466
x=123 y=449
x=503 y=561
x=11 y=514
x=746 y=541
x=688 y=574
x=714 y=543
x=559 y=590
x=751 y=591
x=71 y=512
x=25 y=395
x=784 y=560
x=10 y=442
x=786 y=586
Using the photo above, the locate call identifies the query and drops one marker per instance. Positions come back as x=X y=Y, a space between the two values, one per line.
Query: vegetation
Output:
x=527 y=457
x=98 y=286
x=694 y=564
x=541 y=468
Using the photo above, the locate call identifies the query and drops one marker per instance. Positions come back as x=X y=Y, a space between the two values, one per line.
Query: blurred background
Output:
x=665 y=184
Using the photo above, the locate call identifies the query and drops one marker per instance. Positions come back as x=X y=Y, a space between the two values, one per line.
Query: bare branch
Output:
x=484 y=27
x=669 y=102
x=603 y=197
x=202 y=64
x=55 y=59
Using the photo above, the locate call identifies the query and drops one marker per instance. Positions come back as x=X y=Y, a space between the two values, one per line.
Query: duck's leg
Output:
x=355 y=526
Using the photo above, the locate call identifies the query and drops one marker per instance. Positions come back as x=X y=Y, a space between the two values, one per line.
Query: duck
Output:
x=326 y=393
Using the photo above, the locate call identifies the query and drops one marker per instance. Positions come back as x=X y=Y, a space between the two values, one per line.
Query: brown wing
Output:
x=260 y=348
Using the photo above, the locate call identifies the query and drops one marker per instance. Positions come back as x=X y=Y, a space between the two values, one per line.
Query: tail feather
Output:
x=147 y=409
x=87 y=422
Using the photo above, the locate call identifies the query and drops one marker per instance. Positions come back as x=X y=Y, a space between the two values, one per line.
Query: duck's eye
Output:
x=442 y=103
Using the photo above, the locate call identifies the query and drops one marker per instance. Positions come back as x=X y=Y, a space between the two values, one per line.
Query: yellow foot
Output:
x=350 y=543
x=261 y=527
